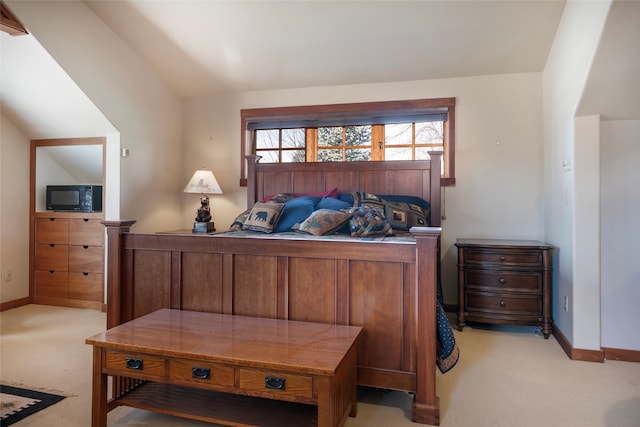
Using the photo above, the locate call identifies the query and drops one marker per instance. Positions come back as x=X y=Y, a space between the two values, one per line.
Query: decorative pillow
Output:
x=324 y=221
x=237 y=223
x=278 y=198
x=295 y=211
x=369 y=221
x=333 y=204
x=401 y=215
x=263 y=217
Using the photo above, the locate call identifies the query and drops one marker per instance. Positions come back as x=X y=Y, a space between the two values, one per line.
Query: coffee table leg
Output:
x=98 y=392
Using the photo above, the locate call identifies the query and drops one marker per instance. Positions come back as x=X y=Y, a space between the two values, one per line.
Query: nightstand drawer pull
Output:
x=274 y=383
x=502 y=280
x=502 y=258
x=134 y=363
x=503 y=304
x=200 y=373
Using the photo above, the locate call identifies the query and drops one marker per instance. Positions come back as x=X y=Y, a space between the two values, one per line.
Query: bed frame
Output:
x=388 y=288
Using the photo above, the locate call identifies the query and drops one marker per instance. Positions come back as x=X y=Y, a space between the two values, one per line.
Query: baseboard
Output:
x=576 y=353
x=15 y=303
x=621 y=355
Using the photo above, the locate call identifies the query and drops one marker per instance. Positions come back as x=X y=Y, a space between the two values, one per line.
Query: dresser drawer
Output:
x=86 y=286
x=130 y=364
x=276 y=383
x=52 y=230
x=504 y=304
x=504 y=280
x=503 y=257
x=86 y=232
x=52 y=284
x=86 y=259
x=52 y=257
x=202 y=372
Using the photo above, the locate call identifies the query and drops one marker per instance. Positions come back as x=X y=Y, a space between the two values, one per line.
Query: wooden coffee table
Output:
x=234 y=370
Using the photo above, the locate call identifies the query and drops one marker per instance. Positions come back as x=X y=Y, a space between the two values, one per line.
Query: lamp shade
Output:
x=204 y=182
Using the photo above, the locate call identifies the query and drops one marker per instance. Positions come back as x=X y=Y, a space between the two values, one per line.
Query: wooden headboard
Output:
x=406 y=177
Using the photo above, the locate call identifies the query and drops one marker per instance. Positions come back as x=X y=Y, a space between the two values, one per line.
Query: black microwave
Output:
x=74 y=198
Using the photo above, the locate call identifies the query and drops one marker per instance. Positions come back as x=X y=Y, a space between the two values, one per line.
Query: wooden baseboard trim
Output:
x=621 y=355
x=577 y=353
x=15 y=303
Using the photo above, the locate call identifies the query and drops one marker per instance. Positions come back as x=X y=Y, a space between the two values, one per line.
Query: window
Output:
x=395 y=130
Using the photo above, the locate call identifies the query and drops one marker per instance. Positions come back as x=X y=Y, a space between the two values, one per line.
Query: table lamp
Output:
x=203 y=182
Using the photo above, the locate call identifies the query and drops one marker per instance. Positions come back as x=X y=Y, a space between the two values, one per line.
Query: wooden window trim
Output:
x=350 y=111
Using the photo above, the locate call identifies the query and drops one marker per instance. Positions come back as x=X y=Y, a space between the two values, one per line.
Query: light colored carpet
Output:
x=506 y=376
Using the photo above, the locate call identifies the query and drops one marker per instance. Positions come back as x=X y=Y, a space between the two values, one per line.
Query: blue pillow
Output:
x=333 y=204
x=346 y=197
x=295 y=211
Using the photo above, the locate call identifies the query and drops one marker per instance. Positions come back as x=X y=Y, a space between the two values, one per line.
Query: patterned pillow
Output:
x=237 y=223
x=369 y=221
x=263 y=217
x=401 y=215
x=324 y=221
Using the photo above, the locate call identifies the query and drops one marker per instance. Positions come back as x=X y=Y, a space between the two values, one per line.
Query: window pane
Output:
x=358 y=135
x=293 y=156
x=329 y=155
x=330 y=136
x=397 y=134
x=398 y=153
x=430 y=133
x=293 y=138
x=267 y=138
x=268 y=156
x=358 y=154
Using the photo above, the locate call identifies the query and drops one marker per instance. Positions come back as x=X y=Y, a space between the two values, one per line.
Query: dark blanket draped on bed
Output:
x=448 y=351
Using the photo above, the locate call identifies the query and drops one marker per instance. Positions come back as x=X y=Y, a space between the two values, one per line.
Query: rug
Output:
x=19 y=403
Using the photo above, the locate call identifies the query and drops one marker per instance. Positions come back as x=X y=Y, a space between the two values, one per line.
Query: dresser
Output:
x=69 y=259
x=504 y=282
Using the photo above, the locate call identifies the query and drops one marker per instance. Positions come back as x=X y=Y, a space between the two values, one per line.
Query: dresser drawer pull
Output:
x=52 y=245
x=503 y=304
x=134 y=363
x=502 y=280
x=274 y=383
x=200 y=373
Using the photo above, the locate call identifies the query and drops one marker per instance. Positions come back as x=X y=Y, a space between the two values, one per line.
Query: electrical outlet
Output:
x=7 y=275
x=566 y=303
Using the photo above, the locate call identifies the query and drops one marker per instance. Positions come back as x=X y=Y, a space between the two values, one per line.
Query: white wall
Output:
x=14 y=211
x=564 y=79
x=499 y=155
x=146 y=114
x=620 y=156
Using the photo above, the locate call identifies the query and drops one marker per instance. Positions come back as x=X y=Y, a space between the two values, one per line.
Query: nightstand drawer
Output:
x=501 y=280
x=276 y=383
x=202 y=372
x=505 y=304
x=132 y=364
x=501 y=257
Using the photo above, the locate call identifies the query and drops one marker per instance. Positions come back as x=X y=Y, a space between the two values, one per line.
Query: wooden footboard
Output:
x=387 y=288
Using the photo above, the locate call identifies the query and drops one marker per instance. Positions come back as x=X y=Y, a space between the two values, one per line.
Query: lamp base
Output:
x=203 y=227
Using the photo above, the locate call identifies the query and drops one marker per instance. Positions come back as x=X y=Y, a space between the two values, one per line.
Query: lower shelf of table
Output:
x=221 y=408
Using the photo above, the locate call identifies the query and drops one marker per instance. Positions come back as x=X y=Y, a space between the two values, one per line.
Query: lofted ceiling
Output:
x=201 y=47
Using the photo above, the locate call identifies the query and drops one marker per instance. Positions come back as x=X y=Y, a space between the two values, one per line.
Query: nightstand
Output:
x=504 y=282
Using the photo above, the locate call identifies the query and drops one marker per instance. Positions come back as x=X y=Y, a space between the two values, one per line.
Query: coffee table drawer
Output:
x=201 y=372
x=130 y=364
x=274 y=383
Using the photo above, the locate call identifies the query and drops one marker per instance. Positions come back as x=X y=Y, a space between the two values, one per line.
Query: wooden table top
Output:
x=303 y=347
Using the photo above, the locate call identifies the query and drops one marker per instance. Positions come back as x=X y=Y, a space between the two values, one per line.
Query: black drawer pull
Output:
x=52 y=245
x=200 y=373
x=52 y=271
x=85 y=273
x=85 y=246
x=503 y=304
x=85 y=219
x=134 y=363
x=502 y=280
x=274 y=383
x=52 y=219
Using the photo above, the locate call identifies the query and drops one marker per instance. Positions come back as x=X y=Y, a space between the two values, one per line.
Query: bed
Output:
x=387 y=285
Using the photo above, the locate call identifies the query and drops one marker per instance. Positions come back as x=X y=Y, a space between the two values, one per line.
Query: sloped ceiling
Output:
x=613 y=87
